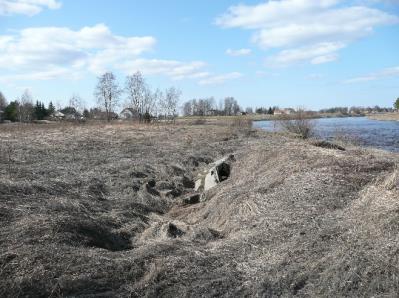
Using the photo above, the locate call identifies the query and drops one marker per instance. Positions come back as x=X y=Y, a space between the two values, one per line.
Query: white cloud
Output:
x=46 y=50
x=220 y=79
x=294 y=24
x=240 y=52
x=175 y=69
x=47 y=53
x=26 y=7
x=270 y=13
x=316 y=54
x=385 y=73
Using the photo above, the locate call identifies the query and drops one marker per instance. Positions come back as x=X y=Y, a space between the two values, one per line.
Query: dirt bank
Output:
x=98 y=211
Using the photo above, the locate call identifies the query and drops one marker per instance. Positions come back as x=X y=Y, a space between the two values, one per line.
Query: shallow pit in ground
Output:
x=89 y=233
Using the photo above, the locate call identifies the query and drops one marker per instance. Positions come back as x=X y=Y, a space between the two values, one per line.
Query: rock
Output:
x=151 y=183
x=204 y=235
x=150 y=189
x=165 y=185
x=187 y=182
x=174 y=232
x=174 y=193
x=192 y=199
x=136 y=187
x=218 y=172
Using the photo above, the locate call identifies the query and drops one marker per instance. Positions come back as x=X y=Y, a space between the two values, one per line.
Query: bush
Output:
x=298 y=124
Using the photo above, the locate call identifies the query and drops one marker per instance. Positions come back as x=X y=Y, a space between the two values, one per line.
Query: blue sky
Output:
x=288 y=53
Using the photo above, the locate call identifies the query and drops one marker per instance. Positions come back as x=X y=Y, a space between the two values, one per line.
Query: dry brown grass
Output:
x=385 y=116
x=96 y=210
x=392 y=182
x=299 y=124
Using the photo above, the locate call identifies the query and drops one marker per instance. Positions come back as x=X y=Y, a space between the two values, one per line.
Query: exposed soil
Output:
x=110 y=211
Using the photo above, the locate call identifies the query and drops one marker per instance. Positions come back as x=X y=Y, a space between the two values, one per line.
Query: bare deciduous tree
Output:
x=3 y=101
x=149 y=102
x=231 y=106
x=77 y=103
x=188 y=108
x=203 y=107
x=107 y=93
x=25 y=107
x=137 y=93
x=158 y=96
x=170 y=103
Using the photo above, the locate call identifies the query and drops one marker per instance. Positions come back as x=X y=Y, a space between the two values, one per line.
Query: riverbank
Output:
x=101 y=210
x=257 y=117
x=385 y=117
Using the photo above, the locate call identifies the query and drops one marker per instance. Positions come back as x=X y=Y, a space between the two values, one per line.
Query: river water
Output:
x=363 y=131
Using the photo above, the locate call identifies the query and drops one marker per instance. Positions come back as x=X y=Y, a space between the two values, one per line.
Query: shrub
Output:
x=298 y=124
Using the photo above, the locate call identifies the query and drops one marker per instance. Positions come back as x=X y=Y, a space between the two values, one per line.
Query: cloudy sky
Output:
x=286 y=53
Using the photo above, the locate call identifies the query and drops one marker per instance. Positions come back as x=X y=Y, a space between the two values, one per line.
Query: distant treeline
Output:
x=356 y=110
x=145 y=104
x=140 y=102
x=226 y=107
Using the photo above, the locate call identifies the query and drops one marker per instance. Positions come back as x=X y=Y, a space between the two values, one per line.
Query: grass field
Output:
x=97 y=211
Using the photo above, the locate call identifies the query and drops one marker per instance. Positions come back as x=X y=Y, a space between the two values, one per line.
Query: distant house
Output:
x=284 y=111
x=58 y=115
x=129 y=114
x=101 y=115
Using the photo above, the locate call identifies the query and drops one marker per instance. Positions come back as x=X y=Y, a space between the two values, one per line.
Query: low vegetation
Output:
x=301 y=124
x=386 y=117
x=106 y=210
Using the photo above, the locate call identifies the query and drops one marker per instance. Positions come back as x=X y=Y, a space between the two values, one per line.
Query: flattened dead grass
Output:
x=97 y=210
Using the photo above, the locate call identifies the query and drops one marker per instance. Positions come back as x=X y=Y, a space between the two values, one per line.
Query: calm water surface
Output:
x=366 y=132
